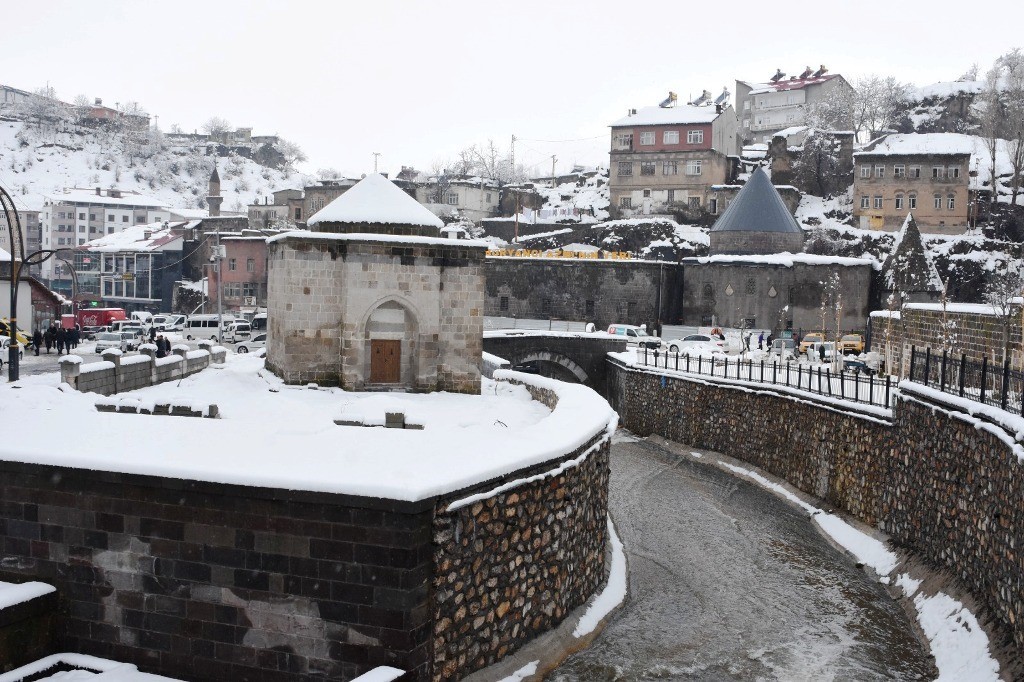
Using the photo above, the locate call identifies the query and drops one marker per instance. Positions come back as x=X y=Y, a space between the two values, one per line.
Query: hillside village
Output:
x=850 y=167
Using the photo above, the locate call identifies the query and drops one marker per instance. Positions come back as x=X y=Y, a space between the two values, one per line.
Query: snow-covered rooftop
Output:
x=374 y=237
x=681 y=114
x=376 y=200
x=789 y=84
x=151 y=237
x=904 y=144
x=787 y=260
x=944 y=89
x=89 y=196
x=277 y=436
x=18 y=593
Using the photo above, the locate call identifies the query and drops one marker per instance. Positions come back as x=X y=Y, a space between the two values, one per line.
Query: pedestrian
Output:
x=152 y=333
x=37 y=340
x=160 y=352
x=75 y=335
x=746 y=341
x=48 y=338
x=760 y=341
x=62 y=335
x=821 y=351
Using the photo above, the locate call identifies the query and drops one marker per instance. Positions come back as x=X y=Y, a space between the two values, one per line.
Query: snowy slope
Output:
x=39 y=164
x=588 y=195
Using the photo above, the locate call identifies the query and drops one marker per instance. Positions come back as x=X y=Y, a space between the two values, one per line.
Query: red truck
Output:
x=100 y=317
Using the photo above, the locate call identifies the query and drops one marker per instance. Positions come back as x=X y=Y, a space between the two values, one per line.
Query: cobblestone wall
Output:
x=930 y=478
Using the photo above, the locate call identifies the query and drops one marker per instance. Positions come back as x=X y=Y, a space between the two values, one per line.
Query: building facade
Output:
x=764 y=109
x=927 y=176
x=243 y=272
x=474 y=198
x=669 y=157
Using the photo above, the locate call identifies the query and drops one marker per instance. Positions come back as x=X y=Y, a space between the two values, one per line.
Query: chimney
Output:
x=99 y=102
x=147 y=234
x=99 y=193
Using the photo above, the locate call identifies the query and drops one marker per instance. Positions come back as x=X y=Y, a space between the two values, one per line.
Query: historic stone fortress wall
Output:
x=935 y=479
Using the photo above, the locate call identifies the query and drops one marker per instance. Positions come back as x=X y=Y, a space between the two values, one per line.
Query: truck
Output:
x=100 y=317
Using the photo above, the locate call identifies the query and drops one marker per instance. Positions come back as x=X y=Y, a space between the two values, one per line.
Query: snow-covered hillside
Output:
x=36 y=164
x=589 y=195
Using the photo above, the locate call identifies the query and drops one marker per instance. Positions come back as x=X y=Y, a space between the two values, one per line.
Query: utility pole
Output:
x=512 y=159
x=553 y=159
x=376 y=155
x=217 y=259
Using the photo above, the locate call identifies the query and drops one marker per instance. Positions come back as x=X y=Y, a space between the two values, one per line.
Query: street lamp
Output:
x=19 y=260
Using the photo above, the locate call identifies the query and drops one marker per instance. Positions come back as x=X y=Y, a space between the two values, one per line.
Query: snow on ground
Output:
x=91 y=669
x=958 y=643
x=278 y=436
x=521 y=674
x=590 y=197
x=613 y=593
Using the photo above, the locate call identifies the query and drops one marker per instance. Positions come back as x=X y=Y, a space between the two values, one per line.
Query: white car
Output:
x=814 y=352
x=5 y=349
x=696 y=344
x=255 y=343
x=105 y=340
x=237 y=331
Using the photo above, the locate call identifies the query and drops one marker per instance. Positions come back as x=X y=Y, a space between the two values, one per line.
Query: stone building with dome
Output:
x=373 y=299
x=757 y=276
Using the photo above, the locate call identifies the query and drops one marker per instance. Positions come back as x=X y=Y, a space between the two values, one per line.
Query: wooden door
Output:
x=385 y=361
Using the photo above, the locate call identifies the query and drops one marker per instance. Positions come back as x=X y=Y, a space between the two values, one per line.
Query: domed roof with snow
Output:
x=758 y=207
x=375 y=201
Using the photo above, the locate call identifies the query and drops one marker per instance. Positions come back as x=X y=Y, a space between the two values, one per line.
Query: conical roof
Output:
x=757 y=208
x=908 y=268
x=376 y=200
x=215 y=176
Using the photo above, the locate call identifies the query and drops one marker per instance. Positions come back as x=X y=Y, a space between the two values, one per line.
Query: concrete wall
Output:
x=930 y=478
x=602 y=292
x=117 y=374
x=322 y=295
x=798 y=287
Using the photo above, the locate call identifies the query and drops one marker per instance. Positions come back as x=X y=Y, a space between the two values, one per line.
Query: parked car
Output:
x=5 y=349
x=814 y=355
x=169 y=322
x=809 y=339
x=5 y=330
x=256 y=342
x=701 y=343
x=89 y=333
x=785 y=349
x=237 y=331
x=133 y=337
x=851 y=343
x=105 y=340
x=635 y=336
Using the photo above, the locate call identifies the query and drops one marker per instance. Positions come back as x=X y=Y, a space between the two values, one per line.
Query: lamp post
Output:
x=19 y=260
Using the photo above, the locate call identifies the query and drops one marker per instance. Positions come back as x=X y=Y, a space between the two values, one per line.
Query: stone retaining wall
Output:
x=117 y=373
x=929 y=477
x=27 y=630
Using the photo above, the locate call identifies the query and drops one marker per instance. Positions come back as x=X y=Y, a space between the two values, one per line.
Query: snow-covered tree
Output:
x=216 y=126
x=819 y=164
x=878 y=104
x=1003 y=294
x=291 y=152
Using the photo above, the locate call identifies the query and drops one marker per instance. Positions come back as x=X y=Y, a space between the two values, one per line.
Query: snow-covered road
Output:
x=728 y=582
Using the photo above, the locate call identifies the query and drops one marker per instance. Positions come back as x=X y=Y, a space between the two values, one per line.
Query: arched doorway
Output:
x=390 y=349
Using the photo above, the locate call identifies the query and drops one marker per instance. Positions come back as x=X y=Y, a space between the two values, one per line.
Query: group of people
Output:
x=764 y=341
x=163 y=346
x=65 y=340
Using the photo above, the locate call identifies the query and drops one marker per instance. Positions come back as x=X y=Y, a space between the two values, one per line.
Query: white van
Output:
x=205 y=327
x=142 y=317
x=169 y=322
x=635 y=336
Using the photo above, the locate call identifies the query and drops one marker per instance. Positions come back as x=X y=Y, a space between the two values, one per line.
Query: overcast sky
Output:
x=417 y=81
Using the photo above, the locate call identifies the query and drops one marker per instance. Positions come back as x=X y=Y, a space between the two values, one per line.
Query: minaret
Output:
x=214 y=199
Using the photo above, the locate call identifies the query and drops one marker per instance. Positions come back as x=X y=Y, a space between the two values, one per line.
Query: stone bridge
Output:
x=570 y=356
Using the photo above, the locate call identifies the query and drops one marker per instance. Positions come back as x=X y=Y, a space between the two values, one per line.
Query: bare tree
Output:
x=292 y=153
x=1012 y=67
x=1003 y=294
x=992 y=125
x=216 y=126
x=878 y=104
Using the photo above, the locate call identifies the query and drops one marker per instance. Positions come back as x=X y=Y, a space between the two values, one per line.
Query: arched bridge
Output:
x=570 y=356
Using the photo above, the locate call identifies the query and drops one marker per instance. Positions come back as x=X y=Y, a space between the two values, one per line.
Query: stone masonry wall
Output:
x=977 y=334
x=930 y=478
x=513 y=565
x=117 y=374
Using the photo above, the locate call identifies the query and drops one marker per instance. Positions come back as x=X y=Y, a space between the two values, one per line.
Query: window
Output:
x=625 y=168
x=232 y=264
x=647 y=194
x=81 y=228
x=749 y=322
x=938 y=201
x=545 y=306
x=298 y=213
x=865 y=202
x=950 y=202
x=865 y=171
x=670 y=137
x=250 y=289
x=878 y=202
x=670 y=168
x=140 y=219
x=693 y=203
x=694 y=167
x=623 y=141
x=646 y=168
x=899 y=171
x=751 y=286
x=503 y=303
x=92 y=216
x=746 y=105
x=899 y=202
x=915 y=171
x=938 y=172
x=647 y=138
x=110 y=229
x=589 y=308
x=250 y=265
x=879 y=171
x=110 y=217
x=695 y=137
x=453 y=198
x=912 y=202
x=488 y=197
x=713 y=206
x=709 y=290
x=81 y=216
x=631 y=310
x=670 y=196
x=746 y=123
x=625 y=202
x=232 y=290
x=124 y=219
x=707 y=320
x=954 y=172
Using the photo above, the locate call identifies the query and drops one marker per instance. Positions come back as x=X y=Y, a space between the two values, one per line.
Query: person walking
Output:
x=61 y=340
x=160 y=352
x=152 y=334
x=75 y=335
x=37 y=340
x=760 y=341
x=48 y=338
x=821 y=351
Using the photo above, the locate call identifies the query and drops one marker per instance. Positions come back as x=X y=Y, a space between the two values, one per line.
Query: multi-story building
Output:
x=474 y=198
x=670 y=156
x=243 y=272
x=764 y=109
x=30 y=231
x=77 y=216
x=925 y=175
x=284 y=209
x=322 y=193
x=134 y=269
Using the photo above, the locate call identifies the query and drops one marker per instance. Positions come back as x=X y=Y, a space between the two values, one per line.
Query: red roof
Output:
x=790 y=83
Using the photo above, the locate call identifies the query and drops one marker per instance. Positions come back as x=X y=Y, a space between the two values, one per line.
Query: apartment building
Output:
x=670 y=156
x=764 y=109
x=284 y=208
x=474 y=198
x=925 y=175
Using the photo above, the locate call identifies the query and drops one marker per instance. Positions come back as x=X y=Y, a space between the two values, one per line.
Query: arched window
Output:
x=899 y=202
x=912 y=201
x=938 y=201
x=950 y=201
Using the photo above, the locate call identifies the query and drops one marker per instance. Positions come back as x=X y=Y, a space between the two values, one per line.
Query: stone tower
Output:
x=757 y=222
x=908 y=272
x=214 y=199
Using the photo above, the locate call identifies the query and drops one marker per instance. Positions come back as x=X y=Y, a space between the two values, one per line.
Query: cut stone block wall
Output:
x=28 y=630
x=117 y=374
x=930 y=478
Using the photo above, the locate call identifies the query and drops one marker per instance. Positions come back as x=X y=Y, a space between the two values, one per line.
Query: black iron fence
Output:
x=991 y=383
x=853 y=385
